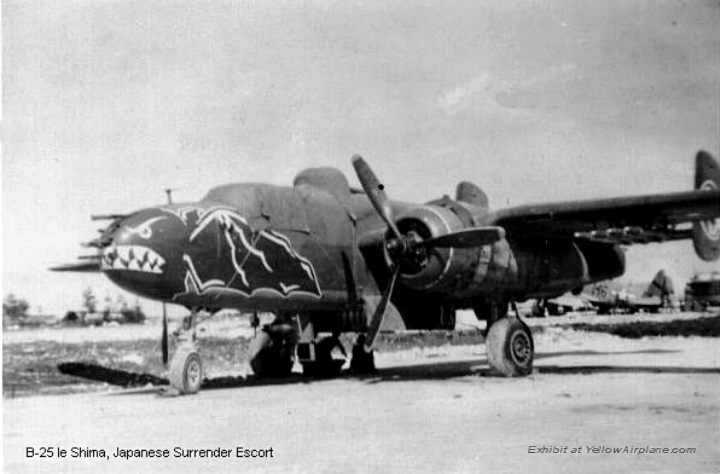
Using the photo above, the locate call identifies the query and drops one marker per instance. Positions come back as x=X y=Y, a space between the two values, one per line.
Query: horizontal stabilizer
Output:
x=85 y=267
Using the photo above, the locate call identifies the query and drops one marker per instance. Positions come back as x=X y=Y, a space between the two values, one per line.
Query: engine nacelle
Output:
x=435 y=269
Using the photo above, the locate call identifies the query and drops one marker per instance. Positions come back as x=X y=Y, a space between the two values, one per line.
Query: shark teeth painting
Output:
x=132 y=258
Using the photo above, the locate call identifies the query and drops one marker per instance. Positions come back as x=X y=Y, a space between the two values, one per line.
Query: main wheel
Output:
x=186 y=372
x=510 y=348
x=270 y=356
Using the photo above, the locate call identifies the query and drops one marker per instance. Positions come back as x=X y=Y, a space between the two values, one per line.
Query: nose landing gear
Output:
x=186 y=371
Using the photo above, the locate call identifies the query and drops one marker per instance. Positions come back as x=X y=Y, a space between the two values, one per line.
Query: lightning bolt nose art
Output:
x=248 y=262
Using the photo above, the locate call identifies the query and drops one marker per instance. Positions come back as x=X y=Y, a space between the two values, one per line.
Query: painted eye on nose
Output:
x=144 y=229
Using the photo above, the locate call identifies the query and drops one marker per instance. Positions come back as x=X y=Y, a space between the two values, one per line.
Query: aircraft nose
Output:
x=136 y=245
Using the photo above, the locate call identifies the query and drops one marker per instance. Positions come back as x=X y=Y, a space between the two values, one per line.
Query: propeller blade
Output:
x=468 y=238
x=375 y=193
x=164 y=341
x=379 y=314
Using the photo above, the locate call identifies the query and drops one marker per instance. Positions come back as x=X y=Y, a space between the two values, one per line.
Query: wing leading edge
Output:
x=629 y=220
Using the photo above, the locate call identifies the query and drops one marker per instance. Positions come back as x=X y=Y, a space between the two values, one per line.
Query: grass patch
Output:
x=704 y=327
x=31 y=368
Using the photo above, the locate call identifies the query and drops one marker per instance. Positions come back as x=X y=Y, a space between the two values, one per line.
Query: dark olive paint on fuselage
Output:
x=320 y=229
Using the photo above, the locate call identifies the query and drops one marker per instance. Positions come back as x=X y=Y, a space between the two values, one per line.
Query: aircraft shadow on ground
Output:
x=479 y=367
x=410 y=372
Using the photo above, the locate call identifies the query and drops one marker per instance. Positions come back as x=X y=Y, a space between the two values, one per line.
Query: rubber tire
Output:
x=266 y=360
x=500 y=350
x=186 y=372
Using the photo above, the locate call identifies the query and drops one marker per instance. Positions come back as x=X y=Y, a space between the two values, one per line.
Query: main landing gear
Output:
x=508 y=340
x=320 y=353
x=271 y=351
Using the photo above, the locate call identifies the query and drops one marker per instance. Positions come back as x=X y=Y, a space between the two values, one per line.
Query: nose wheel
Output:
x=186 y=370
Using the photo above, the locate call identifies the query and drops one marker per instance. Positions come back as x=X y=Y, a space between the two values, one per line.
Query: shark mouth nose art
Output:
x=133 y=258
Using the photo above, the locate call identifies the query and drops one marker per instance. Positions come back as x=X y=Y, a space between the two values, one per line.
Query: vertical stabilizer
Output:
x=471 y=194
x=706 y=234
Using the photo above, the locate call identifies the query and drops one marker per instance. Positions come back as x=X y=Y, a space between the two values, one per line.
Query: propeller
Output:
x=164 y=340
x=403 y=247
x=379 y=313
x=376 y=193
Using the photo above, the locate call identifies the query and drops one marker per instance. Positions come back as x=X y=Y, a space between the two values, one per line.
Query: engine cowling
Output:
x=434 y=269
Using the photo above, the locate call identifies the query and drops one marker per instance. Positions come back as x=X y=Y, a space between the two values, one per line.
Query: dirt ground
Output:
x=428 y=409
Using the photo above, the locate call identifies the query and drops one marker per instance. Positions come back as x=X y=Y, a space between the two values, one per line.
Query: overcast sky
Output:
x=107 y=103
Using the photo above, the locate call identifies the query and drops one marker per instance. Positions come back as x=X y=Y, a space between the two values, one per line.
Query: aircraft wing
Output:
x=629 y=220
x=625 y=220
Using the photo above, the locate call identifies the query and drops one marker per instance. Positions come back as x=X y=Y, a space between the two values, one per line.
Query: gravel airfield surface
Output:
x=595 y=403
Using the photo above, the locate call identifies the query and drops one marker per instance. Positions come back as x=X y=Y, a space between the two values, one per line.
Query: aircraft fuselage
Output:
x=264 y=247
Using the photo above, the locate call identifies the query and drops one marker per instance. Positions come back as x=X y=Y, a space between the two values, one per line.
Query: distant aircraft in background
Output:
x=659 y=294
x=327 y=258
x=702 y=292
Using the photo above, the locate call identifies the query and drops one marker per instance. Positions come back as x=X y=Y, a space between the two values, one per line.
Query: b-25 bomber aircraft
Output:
x=326 y=258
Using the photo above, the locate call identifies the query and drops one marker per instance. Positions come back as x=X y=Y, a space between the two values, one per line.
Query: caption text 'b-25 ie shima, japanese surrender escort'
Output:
x=327 y=258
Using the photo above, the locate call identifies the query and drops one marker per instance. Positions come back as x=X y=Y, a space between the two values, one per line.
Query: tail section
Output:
x=661 y=285
x=706 y=234
x=471 y=194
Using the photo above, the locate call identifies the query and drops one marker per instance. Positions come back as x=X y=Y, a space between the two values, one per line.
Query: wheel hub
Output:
x=193 y=372
x=521 y=348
